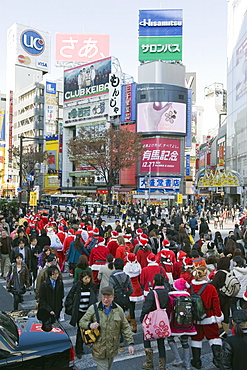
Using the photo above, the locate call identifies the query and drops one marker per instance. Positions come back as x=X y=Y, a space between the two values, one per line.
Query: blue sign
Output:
x=166 y=184
x=51 y=88
x=19 y=189
x=189 y=120
x=187 y=171
x=29 y=177
x=161 y=22
x=32 y=42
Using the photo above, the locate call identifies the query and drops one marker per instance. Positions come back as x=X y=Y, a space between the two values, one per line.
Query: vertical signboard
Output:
x=11 y=100
x=2 y=125
x=221 y=155
x=2 y=156
x=128 y=105
x=189 y=120
x=115 y=94
x=160 y=34
x=187 y=167
x=50 y=101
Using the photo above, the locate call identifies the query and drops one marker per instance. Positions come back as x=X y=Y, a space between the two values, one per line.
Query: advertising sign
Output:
x=128 y=104
x=167 y=184
x=33 y=198
x=52 y=149
x=2 y=125
x=32 y=47
x=115 y=94
x=187 y=167
x=2 y=156
x=88 y=80
x=165 y=117
x=50 y=101
x=80 y=47
x=221 y=155
x=160 y=155
x=189 y=120
x=82 y=111
x=241 y=69
x=160 y=34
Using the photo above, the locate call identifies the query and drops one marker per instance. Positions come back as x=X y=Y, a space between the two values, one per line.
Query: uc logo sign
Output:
x=32 y=42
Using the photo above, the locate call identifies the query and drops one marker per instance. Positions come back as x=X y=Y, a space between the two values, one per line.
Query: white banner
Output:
x=115 y=94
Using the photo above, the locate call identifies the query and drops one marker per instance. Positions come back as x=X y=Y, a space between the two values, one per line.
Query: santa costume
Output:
x=112 y=243
x=137 y=239
x=61 y=235
x=188 y=266
x=147 y=274
x=166 y=258
x=144 y=251
x=177 y=267
x=97 y=257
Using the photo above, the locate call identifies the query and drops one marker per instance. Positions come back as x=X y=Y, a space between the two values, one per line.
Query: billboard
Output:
x=50 y=101
x=91 y=79
x=31 y=47
x=160 y=34
x=2 y=125
x=81 y=47
x=52 y=149
x=161 y=156
x=128 y=103
x=166 y=184
x=83 y=110
x=165 y=117
x=241 y=69
x=115 y=94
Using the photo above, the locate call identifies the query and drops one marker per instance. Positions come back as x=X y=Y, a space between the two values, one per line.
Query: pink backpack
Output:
x=156 y=323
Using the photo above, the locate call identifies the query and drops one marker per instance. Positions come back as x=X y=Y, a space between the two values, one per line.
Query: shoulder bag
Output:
x=90 y=336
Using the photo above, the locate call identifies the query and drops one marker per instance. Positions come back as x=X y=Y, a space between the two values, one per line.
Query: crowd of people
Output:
x=154 y=252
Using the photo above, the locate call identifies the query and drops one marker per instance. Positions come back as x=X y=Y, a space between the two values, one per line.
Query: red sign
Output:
x=11 y=99
x=85 y=168
x=161 y=156
x=79 y=47
x=102 y=191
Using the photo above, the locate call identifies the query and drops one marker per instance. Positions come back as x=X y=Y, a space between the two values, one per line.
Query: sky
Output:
x=204 y=31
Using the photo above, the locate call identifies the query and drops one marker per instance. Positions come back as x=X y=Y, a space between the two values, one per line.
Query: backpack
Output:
x=121 y=294
x=91 y=244
x=182 y=312
x=231 y=286
x=198 y=311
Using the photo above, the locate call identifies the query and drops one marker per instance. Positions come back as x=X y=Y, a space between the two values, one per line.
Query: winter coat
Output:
x=147 y=275
x=51 y=299
x=121 y=278
x=72 y=302
x=98 y=257
x=104 y=276
x=74 y=254
x=27 y=252
x=241 y=274
x=133 y=269
x=233 y=353
x=13 y=275
x=150 y=304
x=193 y=224
x=111 y=326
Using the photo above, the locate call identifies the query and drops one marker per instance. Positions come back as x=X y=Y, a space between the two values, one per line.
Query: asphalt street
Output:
x=123 y=360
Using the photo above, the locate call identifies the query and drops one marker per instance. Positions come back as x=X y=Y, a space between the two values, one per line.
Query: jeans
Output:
x=18 y=298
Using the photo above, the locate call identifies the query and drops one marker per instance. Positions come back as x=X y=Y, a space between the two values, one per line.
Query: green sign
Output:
x=160 y=48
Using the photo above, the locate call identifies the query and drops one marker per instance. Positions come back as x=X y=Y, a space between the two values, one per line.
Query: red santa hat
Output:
x=181 y=255
x=114 y=234
x=101 y=241
x=63 y=222
x=60 y=228
x=139 y=231
x=188 y=263
x=96 y=231
x=51 y=219
x=82 y=224
x=28 y=215
x=131 y=257
x=143 y=239
x=89 y=228
x=71 y=232
x=127 y=237
x=245 y=295
x=165 y=243
x=151 y=257
x=180 y=284
x=78 y=232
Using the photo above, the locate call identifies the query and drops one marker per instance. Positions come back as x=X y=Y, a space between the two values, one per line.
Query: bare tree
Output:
x=107 y=151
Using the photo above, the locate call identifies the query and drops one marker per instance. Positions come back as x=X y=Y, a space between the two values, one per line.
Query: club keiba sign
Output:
x=161 y=156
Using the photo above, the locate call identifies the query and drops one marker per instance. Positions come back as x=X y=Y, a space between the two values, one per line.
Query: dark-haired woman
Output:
x=240 y=271
x=76 y=249
x=80 y=297
x=148 y=306
x=81 y=266
x=105 y=272
x=218 y=241
x=233 y=355
x=42 y=257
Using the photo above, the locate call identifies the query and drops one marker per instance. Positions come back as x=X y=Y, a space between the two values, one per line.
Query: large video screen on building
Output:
x=165 y=117
x=161 y=155
x=88 y=80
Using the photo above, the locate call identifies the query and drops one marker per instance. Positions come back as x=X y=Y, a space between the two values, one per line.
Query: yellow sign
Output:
x=218 y=179
x=180 y=198
x=33 y=198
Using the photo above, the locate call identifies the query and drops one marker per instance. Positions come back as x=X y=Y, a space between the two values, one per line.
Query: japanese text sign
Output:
x=115 y=94
x=160 y=156
x=167 y=184
x=79 y=47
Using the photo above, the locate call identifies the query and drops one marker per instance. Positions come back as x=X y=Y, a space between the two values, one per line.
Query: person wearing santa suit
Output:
x=112 y=243
x=133 y=269
x=123 y=249
x=44 y=219
x=166 y=258
x=61 y=256
x=32 y=229
x=92 y=234
x=84 y=233
x=147 y=274
x=137 y=239
x=40 y=223
x=128 y=242
x=208 y=327
x=66 y=244
x=183 y=332
x=187 y=269
x=177 y=267
x=97 y=257
x=52 y=223
x=144 y=250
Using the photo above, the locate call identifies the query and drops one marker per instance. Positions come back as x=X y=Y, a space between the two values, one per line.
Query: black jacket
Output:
x=233 y=354
x=150 y=305
x=51 y=299
x=72 y=301
x=27 y=251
